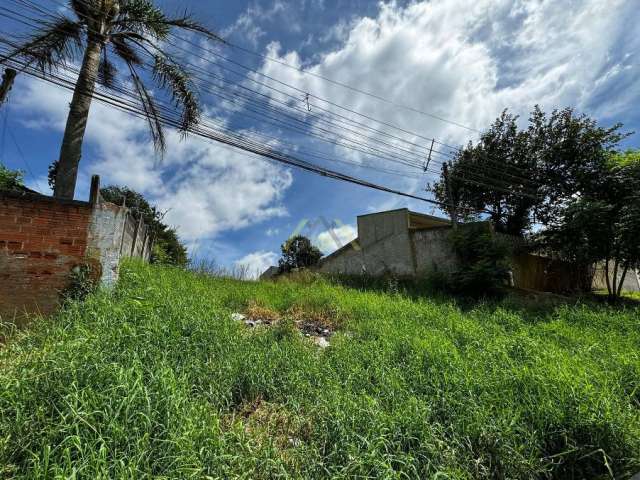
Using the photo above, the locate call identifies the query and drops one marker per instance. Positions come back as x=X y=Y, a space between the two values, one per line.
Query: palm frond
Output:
x=150 y=110
x=186 y=22
x=125 y=51
x=171 y=76
x=143 y=17
x=107 y=71
x=80 y=8
x=59 y=41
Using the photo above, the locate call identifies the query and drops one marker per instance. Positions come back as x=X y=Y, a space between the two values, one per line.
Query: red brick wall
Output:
x=41 y=240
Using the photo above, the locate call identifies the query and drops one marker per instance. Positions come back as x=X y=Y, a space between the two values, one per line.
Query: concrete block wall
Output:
x=432 y=250
x=105 y=233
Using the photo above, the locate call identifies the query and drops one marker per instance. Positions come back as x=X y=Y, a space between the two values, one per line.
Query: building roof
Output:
x=270 y=272
x=417 y=221
x=421 y=221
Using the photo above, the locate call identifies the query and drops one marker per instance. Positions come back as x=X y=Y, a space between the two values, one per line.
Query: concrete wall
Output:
x=433 y=251
x=42 y=239
x=105 y=238
x=380 y=226
x=115 y=234
x=631 y=280
x=385 y=245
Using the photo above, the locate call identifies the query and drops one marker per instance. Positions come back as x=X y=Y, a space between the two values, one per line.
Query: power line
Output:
x=349 y=87
x=478 y=178
x=377 y=150
x=502 y=167
x=237 y=141
x=71 y=82
x=387 y=152
x=222 y=57
x=249 y=69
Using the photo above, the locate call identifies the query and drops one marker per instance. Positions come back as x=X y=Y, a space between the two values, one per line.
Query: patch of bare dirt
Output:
x=270 y=422
x=318 y=325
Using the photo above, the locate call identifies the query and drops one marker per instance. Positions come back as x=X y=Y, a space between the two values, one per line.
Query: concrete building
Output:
x=269 y=273
x=398 y=242
x=409 y=244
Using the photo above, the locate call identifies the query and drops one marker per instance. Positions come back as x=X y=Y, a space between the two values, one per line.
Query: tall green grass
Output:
x=155 y=380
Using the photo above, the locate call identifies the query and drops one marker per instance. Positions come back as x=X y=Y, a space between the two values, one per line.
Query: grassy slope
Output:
x=156 y=379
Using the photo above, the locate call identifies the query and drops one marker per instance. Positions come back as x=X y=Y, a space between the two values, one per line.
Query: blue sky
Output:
x=463 y=60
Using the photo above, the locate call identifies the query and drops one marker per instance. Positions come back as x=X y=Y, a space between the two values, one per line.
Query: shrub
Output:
x=483 y=261
x=298 y=252
x=83 y=280
x=10 y=179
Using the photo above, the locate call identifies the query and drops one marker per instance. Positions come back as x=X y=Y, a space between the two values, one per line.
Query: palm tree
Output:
x=101 y=29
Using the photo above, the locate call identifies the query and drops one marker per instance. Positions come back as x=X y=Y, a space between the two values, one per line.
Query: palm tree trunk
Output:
x=71 y=150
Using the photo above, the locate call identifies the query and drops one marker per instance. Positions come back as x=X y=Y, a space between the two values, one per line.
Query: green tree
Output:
x=167 y=248
x=602 y=225
x=574 y=156
x=563 y=172
x=101 y=30
x=10 y=179
x=298 y=252
x=502 y=155
x=522 y=175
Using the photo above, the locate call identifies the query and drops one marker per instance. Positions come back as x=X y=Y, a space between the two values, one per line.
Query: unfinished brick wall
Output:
x=41 y=241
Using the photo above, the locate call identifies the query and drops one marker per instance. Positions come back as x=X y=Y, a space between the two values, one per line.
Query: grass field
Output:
x=155 y=379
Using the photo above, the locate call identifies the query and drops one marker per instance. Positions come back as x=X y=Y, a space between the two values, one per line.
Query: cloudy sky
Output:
x=434 y=69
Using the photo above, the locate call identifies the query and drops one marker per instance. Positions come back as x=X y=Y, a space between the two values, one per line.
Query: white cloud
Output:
x=248 y=23
x=257 y=262
x=334 y=238
x=466 y=60
x=207 y=188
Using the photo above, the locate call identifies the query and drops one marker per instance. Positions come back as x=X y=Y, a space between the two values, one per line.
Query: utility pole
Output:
x=452 y=207
x=7 y=82
x=426 y=167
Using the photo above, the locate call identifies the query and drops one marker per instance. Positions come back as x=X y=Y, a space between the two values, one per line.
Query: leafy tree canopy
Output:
x=522 y=175
x=10 y=179
x=564 y=172
x=603 y=225
x=298 y=252
x=168 y=249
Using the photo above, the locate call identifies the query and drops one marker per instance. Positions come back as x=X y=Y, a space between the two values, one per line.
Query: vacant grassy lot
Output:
x=156 y=379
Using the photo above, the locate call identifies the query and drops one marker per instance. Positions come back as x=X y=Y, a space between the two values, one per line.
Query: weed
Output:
x=154 y=379
x=266 y=315
x=83 y=280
